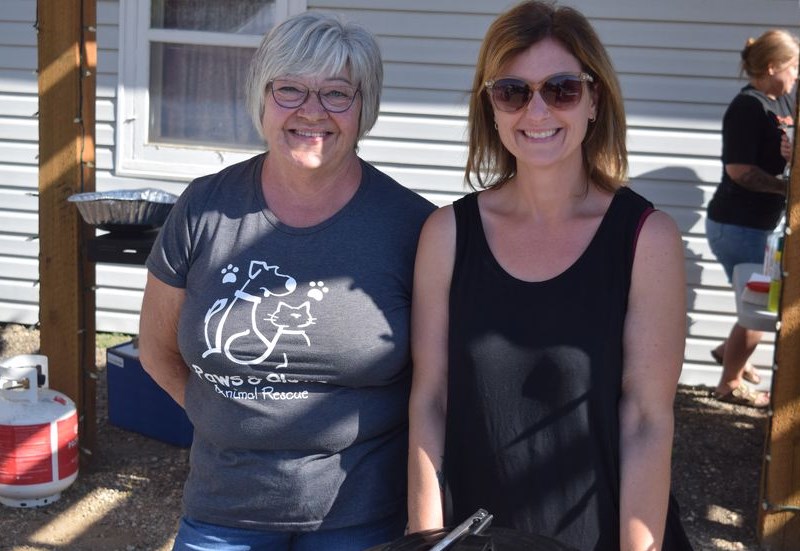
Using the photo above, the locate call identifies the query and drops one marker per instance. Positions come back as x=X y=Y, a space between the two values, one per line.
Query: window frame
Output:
x=134 y=156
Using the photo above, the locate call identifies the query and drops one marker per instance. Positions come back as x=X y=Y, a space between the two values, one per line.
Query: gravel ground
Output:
x=128 y=498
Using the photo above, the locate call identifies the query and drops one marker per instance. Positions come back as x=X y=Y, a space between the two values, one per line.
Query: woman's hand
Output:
x=786 y=146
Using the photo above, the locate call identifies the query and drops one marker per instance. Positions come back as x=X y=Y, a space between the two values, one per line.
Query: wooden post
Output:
x=67 y=51
x=779 y=517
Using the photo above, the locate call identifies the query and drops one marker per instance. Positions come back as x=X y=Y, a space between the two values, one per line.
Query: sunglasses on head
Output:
x=559 y=91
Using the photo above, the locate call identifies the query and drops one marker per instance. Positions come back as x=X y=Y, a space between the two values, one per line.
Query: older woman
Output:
x=277 y=312
x=548 y=312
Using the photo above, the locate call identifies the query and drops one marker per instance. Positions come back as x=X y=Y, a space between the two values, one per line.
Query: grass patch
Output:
x=107 y=340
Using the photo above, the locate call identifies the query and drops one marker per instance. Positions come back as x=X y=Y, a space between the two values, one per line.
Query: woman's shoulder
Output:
x=469 y=198
x=750 y=100
x=243 y=171
x=632 y=199
x=659 y=226
x=640 y=216
x=658 y=247
x=394 y=194
x=230 y=181
x=214 y=192
x=439 y=232
x=441 y=219
x=653 y=227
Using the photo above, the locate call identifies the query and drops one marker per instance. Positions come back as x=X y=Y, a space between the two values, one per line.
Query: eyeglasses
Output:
x=334 y=98
x=559 y=91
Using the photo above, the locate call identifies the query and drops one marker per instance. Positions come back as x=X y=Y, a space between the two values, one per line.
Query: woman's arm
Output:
x=755 y=179
x=654 y=343
x=158 y=337
x=428 y=405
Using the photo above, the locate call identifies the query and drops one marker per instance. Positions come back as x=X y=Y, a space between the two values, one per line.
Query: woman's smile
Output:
x=310 y=133
x=540 y=134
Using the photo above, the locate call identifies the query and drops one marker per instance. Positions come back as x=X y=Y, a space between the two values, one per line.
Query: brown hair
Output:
x=605 y=155
x=775 y=47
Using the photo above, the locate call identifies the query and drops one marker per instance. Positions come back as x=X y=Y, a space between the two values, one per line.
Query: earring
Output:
x=592 y=119
x=495 y=125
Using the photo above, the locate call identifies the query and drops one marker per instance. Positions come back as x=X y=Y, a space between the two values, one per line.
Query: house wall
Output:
x=18 y=163
x=677 y=62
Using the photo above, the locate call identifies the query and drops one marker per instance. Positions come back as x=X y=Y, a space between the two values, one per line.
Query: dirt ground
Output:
x=128 y=498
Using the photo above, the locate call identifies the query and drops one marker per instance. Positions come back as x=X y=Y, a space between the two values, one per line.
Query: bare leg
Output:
x=750 y=374
x=738 y=348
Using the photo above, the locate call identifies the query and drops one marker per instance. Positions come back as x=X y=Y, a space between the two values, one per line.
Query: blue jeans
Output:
x=734 y=245
x=200 y=536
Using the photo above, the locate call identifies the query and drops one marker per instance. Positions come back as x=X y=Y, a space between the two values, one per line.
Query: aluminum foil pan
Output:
x=125 y=209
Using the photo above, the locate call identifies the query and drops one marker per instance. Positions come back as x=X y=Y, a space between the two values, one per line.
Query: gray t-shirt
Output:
x=298 y=344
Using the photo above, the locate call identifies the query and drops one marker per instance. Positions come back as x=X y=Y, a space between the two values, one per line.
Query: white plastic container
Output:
x=38 y=435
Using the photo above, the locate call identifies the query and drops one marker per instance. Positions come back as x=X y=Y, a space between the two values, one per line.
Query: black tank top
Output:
x=534 y=382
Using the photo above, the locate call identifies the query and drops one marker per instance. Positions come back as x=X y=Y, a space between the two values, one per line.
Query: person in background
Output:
x=548 y=318
x=277 y=312
x=749 y=201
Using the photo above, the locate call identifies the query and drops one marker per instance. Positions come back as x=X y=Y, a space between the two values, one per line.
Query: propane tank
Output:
x=38 y=435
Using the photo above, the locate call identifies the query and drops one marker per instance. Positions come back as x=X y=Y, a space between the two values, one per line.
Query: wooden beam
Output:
x=779 y=518
x=67 y=51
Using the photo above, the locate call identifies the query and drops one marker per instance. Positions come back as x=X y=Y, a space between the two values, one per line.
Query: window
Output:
x=180 y=101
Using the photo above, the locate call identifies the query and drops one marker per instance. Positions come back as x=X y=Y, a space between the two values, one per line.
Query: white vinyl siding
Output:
x=19 y=135
x=677 y=62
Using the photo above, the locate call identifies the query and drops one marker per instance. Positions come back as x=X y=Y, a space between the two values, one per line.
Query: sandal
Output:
x=742 y=395
x=750 y=375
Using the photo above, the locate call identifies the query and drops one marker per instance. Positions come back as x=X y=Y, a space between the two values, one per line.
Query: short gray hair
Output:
x=313 y=43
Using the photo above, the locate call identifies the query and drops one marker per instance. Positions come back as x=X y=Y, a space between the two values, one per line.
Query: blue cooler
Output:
x=137 y=403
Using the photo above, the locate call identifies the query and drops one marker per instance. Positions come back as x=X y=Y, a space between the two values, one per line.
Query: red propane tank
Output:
x=38 y=435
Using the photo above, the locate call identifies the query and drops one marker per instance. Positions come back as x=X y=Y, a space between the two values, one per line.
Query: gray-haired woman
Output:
x=276 y=312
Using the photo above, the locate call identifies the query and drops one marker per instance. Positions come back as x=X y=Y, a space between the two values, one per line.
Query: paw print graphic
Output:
x=229 y=274
x=317 y=291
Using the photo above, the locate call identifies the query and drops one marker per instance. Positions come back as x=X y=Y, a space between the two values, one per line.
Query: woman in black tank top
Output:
x=548 y=312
